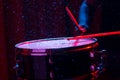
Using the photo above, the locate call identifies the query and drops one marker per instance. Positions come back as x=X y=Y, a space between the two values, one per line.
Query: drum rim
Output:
x=44 y=52
x=47 y=39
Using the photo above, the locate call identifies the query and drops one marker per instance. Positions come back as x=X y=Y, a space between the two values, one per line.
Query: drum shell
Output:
x=66 y=63
x=31 y=65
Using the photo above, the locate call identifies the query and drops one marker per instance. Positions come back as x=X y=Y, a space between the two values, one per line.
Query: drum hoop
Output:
x=44 y=52
x=60 y=38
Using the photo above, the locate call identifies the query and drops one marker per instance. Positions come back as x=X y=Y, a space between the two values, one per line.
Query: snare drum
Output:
x=55 y=58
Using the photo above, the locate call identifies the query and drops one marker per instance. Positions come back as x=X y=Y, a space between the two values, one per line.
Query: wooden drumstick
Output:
x=96 y=35
x=74 y=20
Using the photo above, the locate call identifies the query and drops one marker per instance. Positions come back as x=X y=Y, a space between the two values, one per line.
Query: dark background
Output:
x=22 y=20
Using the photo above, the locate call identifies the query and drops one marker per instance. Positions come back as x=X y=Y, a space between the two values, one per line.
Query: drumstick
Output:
x=96 y=35
x=73 y=19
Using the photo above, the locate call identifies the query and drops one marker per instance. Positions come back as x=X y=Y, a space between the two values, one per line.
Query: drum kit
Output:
x=62 y=58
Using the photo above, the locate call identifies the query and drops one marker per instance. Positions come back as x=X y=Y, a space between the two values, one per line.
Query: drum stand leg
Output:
x=98 y=64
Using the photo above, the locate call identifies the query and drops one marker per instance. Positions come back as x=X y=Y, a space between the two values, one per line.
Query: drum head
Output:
x=55 y=43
